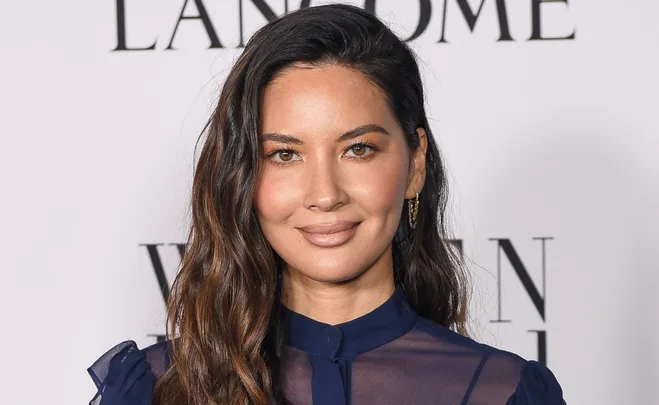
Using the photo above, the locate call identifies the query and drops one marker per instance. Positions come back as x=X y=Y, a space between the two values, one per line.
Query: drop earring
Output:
x=413 y=210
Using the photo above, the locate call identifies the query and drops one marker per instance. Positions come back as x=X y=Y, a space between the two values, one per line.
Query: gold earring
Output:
x=413 y=210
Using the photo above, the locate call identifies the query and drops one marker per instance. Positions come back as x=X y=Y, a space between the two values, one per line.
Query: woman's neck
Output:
x=335 y=303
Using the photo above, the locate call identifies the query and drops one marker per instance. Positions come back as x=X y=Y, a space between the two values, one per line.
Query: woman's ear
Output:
x=417 y=174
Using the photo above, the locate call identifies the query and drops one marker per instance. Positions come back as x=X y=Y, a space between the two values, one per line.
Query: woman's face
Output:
x=336 y=170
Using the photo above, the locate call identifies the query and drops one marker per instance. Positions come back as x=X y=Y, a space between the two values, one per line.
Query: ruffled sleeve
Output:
x=537 y=386
x=122 y=377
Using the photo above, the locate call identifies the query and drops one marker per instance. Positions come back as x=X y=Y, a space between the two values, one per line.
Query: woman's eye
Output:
x=360 y=149
x=283 y=156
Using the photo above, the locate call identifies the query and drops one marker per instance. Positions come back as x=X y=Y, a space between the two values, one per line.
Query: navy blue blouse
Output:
x=390 y=356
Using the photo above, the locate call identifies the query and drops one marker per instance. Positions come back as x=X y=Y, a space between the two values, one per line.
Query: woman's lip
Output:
x=330 y=239
x=330 y=227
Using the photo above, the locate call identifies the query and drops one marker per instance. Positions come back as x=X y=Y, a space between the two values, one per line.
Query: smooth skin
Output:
x=310 y=176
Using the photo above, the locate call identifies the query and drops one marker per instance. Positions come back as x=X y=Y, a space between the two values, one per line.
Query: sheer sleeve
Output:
x=537 y=386
x=125 y=375
x=506 y=378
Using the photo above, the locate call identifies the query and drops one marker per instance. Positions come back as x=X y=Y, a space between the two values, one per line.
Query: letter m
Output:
x=471 y=17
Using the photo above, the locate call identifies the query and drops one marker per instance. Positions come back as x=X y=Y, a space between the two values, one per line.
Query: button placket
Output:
x=327 y=381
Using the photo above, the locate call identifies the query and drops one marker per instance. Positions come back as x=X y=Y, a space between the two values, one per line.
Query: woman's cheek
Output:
x=277 y=194
x=380 y=185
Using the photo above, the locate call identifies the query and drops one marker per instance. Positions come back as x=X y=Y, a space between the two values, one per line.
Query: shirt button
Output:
x=332 y=339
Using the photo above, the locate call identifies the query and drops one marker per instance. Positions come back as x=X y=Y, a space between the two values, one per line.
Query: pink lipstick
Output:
x=329 y=234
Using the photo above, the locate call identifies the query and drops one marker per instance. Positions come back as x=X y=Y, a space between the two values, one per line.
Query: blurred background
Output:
x=546 y=112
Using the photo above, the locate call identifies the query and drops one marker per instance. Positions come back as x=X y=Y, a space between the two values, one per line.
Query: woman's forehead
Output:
x=323 y=97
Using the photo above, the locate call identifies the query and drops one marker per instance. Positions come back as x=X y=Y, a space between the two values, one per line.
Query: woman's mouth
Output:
x=329 y=234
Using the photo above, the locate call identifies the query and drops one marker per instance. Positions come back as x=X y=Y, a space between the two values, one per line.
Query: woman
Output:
x=307 y=279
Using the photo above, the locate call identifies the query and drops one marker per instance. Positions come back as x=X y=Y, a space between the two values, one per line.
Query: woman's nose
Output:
x=324 y=186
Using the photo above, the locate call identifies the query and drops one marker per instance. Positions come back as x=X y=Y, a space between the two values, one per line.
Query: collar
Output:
x=387 y=322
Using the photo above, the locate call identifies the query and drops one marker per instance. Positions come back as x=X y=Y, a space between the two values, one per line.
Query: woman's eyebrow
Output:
x=353 y=133
x=281 y=138
x=364 y=129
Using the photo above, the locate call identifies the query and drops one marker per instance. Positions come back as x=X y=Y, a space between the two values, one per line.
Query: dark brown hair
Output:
x=224 y=328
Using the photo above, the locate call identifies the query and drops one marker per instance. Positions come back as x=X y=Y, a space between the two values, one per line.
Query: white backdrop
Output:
x=543 y=138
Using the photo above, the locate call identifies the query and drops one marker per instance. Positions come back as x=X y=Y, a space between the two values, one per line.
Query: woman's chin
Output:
x=330 y=275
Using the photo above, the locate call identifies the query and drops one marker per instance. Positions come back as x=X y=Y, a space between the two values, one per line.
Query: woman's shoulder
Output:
x=126 y=374
x=499 y=376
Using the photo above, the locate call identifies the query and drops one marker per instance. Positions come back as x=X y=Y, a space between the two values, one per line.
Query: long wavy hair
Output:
x=224 y=327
